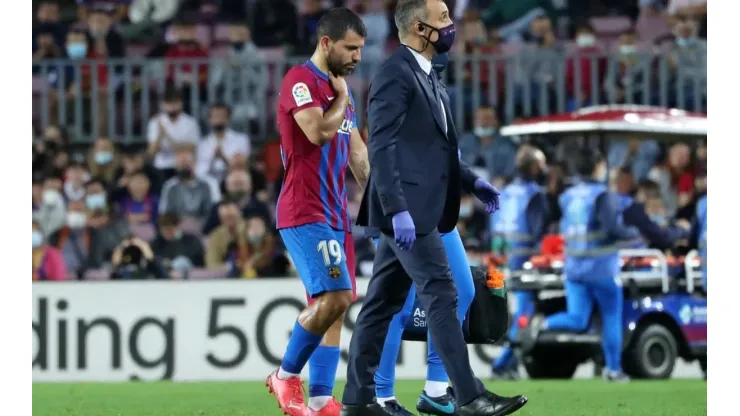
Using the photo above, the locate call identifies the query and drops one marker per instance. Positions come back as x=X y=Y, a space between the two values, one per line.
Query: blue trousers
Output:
x=524 y=307
x=580 y=297
x=385 y=376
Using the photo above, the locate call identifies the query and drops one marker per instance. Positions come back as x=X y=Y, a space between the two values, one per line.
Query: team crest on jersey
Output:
x=301 y=94
x=334 y=272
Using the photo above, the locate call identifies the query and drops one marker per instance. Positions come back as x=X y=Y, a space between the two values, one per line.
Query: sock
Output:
x=382 y=400
x=284 y=375
x=300 y=347
x=322 y=370
x=318 y=403
x=435 y=388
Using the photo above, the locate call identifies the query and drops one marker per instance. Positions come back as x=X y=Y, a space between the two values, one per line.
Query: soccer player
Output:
x=319 y=139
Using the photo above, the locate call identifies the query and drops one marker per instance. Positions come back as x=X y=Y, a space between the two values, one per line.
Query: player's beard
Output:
x=336 y=66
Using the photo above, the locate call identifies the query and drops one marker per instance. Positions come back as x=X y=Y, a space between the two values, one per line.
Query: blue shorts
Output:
x=320 y=258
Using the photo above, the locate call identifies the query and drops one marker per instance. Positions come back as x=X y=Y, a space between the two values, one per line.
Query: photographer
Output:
x=133 y=259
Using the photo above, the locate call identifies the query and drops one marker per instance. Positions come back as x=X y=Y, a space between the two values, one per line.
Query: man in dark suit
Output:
x=414 y=194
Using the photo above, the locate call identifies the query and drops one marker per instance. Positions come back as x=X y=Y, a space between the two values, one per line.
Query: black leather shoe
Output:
x=490 y=404
x=392 y=408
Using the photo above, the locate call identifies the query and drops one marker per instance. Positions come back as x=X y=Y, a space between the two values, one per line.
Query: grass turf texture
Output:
x=546 y=398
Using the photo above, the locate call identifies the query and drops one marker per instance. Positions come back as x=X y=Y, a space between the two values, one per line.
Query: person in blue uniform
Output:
x=519 y=227
x=592 y=228
x=699 y=232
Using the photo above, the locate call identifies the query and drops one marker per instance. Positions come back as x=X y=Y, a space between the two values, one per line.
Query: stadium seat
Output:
x=145 y=231
x=97 y=274
x=609 y=26
x=207 y=274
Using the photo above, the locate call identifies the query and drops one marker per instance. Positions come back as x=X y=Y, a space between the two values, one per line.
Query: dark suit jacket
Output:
x=414 y=165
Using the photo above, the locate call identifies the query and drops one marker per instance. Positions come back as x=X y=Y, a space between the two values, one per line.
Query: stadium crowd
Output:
x=196 y=198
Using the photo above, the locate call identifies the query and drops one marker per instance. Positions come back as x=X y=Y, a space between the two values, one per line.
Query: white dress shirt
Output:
x=426 y=66
x=231 y=144
x=183 y=130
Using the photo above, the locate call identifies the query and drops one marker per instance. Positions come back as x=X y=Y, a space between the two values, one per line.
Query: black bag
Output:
x=487 y=319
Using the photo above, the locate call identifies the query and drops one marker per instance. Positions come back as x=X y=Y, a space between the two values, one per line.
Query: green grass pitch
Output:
x=546 y=398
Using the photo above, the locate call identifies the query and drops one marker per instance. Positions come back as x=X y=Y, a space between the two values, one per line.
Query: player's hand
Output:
x=487 y=194
x=404 y=230
x=339 y=85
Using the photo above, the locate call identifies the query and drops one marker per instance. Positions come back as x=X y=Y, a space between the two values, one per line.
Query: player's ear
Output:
x=325 y=42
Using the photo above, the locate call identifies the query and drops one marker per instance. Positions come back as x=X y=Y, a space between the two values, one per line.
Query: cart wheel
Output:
x=653 y=353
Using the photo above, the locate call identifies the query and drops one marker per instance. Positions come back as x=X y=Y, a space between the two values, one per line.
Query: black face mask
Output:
x=238 y=46
x=219 y=128
x=185 y=173
x=173 y=114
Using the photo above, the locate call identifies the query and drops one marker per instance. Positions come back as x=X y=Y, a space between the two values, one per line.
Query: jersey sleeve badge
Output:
x=301 y=94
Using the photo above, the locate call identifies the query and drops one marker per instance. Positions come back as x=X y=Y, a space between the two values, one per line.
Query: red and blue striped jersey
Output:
x=313 y=189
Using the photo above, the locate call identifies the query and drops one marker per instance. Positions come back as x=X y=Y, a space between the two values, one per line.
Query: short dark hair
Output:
x=586 y=161
x=408 y=11
x=168 y=219
x=171 y=94
x=337 y=22
x=649 y=187
x=95 y=180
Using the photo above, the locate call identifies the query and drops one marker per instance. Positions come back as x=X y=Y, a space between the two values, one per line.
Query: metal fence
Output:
x=116 y=98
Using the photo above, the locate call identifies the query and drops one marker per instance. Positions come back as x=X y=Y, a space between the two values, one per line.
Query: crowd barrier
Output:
x=186 y=331
x=118 y=98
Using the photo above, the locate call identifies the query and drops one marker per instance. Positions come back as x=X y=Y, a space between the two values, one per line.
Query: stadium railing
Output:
x=117 y=99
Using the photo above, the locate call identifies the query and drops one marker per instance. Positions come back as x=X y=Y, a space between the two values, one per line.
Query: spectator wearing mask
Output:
x=241 y=77
x=140 y=206
x=49 y=32
x=75 y=178
x=133 y=162
x=186 y=194
x=638 y=155
x=179 y=251
x=688 y=61
x=254 y=259
x=218 y=148
x=484 y=147
x=186 y=46
x=73 y=239
x=103 y=161
x=168 y=129
x=537 y=68
x=47 y=261
x=105 y=231
x=578 y=81
x=221 y=243
x=628 y=72
x=134 y=259
x=238 y=186
x=49 y=211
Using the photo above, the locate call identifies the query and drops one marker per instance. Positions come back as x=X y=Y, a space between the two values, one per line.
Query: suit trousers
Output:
x=393 y=272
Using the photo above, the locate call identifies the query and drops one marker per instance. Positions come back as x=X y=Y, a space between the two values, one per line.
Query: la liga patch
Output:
x=301 y=94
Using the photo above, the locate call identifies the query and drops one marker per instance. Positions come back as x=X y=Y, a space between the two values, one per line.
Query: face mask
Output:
x=585 y=40
x=103 y=158
x=77 y=50
x=445 y=40
x=219 y=128
x=255 y=239
x=37 y=239
x=440 y=62
x=185 y=173
x=173 y=114
x=466 y=211
x=684 y=42
x=76 y=220
x=660 y=220
x=95 y=202
x=50 y=197
x=484 y=131
x=238 y=195
x=238 y=46
x=627 y=49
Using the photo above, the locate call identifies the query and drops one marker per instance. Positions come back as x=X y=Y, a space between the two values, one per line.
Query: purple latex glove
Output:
x=487 y=194
x=404 y=230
